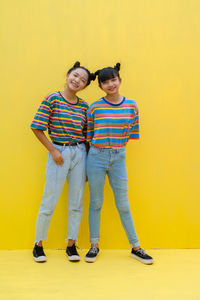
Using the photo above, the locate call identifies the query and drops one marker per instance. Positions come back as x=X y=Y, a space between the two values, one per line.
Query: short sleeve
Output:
x=43 y=114
x=135 y=125
x=85 y=125
x=90 y=125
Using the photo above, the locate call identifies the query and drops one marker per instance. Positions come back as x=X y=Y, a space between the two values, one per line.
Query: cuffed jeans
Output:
x=74 y=169
x=102 y=161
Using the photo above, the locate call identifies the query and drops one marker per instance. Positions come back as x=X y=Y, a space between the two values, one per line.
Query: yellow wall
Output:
x=158 y=45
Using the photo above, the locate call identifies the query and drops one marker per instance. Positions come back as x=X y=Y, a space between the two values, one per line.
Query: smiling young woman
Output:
x=112 y=121
x=64 y=114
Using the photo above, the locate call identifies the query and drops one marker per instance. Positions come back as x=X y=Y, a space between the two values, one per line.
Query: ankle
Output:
x=39 y=243
x=70 y=243
x=136 y=248
x=95 y=245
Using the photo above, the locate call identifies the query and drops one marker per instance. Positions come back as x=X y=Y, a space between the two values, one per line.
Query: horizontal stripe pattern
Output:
x=65 y=122
x=111 y=126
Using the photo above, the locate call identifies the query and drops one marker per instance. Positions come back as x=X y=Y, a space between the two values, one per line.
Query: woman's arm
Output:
x=56 y=155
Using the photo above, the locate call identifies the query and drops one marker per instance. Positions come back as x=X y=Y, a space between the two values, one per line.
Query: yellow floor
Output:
x=174 y=275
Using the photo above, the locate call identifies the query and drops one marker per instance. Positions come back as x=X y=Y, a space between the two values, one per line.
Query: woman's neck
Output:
x=69 y=95
x=115 y=98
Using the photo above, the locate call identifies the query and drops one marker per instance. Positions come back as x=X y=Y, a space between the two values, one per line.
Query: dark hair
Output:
x=77 y=65
x=108 y=73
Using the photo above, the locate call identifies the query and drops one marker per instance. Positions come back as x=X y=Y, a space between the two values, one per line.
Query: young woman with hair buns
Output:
x=65 y=116
x=112 y=121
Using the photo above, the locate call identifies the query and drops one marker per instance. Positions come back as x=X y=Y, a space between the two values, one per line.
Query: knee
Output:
x=96 y=204
x=46 y=210
x=75 y=209
x=123 y=207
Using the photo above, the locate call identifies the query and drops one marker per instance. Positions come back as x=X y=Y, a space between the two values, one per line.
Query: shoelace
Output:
x=94 y=250
x=141 y=251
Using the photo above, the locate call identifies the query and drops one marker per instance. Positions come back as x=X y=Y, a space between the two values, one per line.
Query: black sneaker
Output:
x=141 y=255
x=72 y=253
x=92 y=254
x=38 y=254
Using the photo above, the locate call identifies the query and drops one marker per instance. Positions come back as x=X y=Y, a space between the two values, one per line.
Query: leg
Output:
x=119 y=182
x=96 y=171
x=54 y=180
x=76 y=183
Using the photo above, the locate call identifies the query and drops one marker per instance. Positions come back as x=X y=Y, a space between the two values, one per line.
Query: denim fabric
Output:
x=102 y=161
x=74 y=169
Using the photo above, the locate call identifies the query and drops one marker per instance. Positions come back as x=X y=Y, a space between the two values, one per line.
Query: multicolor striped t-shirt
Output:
x=112 y=125
x=66 y=122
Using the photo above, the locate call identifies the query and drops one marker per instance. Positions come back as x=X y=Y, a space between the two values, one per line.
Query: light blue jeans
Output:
x=102 y=161
x=74 y=169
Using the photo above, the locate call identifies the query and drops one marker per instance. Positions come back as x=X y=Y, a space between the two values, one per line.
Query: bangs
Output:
x=107 y=73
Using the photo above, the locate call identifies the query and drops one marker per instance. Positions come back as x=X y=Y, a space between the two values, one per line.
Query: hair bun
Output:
x=117 y=66
x=97 y=72
x=93 y=76
x=77 y=64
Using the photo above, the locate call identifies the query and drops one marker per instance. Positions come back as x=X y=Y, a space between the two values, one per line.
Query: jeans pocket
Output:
x=59 y=148
x=93 y=151
x=122 y=154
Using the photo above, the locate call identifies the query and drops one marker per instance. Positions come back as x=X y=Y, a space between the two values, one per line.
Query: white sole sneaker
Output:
x=144 y=261
x=40 y=258
x=91 y=259
x=73 y=257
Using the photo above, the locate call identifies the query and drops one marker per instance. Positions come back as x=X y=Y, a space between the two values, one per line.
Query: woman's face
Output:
x=111 y=86
x=77 y=79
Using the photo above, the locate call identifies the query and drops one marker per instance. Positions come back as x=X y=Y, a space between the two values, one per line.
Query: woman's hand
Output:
x=57 y=157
